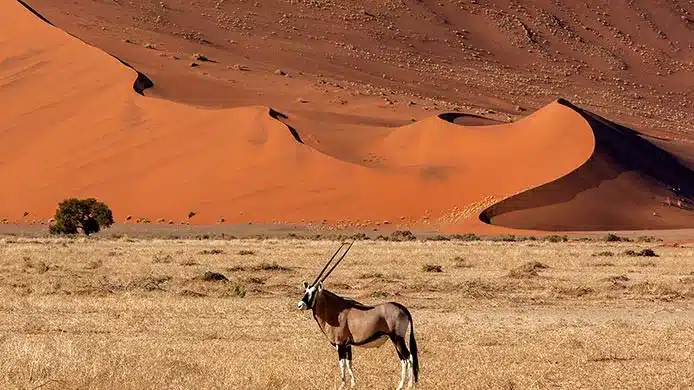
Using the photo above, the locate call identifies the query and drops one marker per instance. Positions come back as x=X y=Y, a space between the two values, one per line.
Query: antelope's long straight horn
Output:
x=328 y=263
x=338 y=261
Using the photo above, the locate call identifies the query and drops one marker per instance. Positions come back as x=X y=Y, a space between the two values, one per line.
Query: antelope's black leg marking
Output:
x=403 y=354
x=344 y=353
x=400 y=347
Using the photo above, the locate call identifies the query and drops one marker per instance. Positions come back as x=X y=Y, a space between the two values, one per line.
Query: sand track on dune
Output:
x=72 y=126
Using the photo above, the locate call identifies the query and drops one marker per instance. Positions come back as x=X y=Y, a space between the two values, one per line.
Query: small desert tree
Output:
x=86 y=215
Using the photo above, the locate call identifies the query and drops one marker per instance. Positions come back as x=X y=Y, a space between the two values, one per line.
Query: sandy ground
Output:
x=134 y=314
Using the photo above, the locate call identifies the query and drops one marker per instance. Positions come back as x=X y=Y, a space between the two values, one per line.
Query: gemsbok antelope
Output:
x=348 y=323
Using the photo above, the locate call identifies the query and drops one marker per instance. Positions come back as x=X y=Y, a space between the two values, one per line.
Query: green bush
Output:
x=86 y=215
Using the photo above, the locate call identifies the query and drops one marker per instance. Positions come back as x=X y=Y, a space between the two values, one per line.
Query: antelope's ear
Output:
x=304 y=285
x=320 y=286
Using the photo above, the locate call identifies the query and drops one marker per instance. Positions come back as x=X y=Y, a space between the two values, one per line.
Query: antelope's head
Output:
x=311 y=290
x=309 y=297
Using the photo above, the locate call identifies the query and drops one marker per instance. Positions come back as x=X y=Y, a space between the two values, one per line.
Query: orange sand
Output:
x=73 y=126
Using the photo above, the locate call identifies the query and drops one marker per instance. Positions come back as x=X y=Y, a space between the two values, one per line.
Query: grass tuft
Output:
x=603 y=254
x=528 y=270
x=213 y=251
x=460 y=262
x=432 y=268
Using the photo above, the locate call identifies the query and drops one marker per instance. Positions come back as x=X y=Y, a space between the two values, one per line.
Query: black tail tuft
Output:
x=413 y=343
x=413 y=351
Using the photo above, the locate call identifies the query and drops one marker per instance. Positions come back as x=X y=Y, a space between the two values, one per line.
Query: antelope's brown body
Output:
x=348 y=322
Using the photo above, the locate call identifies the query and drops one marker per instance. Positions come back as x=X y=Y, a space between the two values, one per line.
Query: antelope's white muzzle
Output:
x=301 y=305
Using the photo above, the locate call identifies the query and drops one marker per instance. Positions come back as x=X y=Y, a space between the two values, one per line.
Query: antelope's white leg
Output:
x=409 y=363
x=351 y=374
x=343 y=363
x=403 y=364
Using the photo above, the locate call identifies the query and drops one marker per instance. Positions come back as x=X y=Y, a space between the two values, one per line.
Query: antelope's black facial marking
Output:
x=309 y=297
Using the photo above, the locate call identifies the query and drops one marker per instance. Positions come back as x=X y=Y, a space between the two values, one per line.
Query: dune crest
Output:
x=628 y=184
x=74 y=127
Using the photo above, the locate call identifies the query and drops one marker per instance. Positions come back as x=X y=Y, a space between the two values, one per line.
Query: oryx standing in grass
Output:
x=346 y=322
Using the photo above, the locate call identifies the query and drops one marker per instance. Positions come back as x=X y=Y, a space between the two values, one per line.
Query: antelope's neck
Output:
x=326 y=311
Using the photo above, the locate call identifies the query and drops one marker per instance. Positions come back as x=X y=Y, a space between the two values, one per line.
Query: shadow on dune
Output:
x=33 y=11
x=141 y=83
x=467 y=119
x=619 y=187
x=281 y=117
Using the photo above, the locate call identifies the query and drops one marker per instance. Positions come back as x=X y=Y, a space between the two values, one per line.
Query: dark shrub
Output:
x=644 y=252
x=402 y=235
x=649 y=239
x=213 y=251
x=85 y=215
x=432 y=268
x=615 y=238
x=214 y=276
x=465 y=237
x=507 y=238
x=648 y=253
x=438 y=238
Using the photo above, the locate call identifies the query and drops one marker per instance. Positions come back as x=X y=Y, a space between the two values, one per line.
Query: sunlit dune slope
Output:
x=71 y=125
x=628 y=183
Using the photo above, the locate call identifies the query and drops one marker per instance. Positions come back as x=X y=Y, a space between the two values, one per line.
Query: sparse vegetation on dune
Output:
x=134 y=314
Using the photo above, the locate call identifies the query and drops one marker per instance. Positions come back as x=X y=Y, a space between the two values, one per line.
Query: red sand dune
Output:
x=73 y=126
x=627 y=184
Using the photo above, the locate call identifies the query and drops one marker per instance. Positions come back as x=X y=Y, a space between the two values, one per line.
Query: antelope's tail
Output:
x=413 y=351
x=413 y=342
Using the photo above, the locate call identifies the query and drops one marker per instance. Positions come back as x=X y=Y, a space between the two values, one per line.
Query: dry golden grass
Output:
x=139 y=314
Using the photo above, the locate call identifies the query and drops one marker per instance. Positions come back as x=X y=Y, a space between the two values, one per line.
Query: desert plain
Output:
x=540 y=151
x=138 y=313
